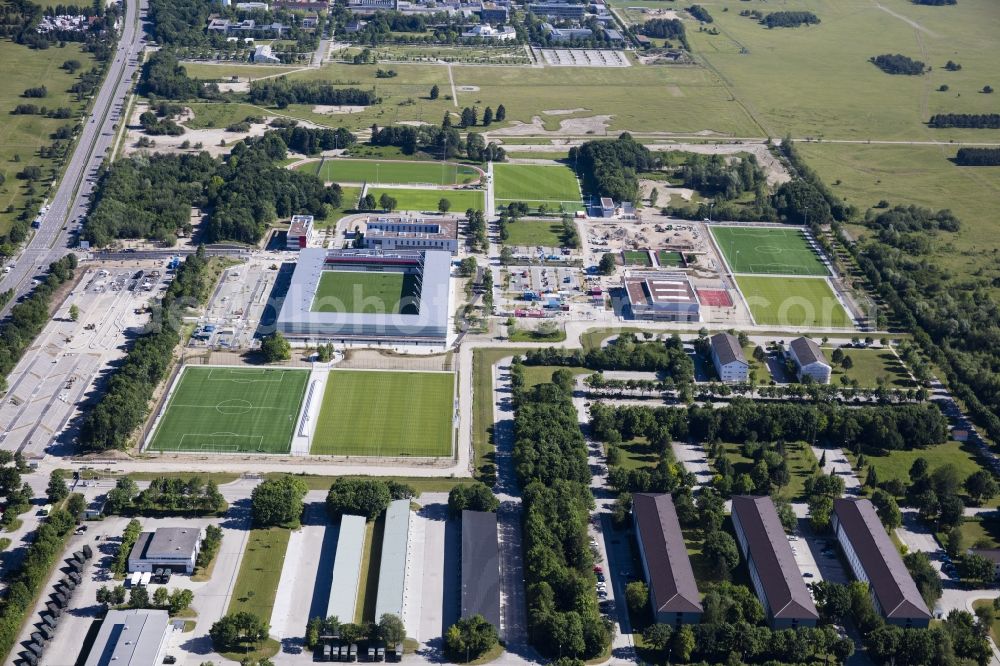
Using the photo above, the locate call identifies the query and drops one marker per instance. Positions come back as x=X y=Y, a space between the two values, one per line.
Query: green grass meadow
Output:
x=260 y=572
x=796 y=302
x=427 y=200
x=531 y=233
x=382 y=413
x=230 y=410
x=637 y=258
x=536 y=184
x=396 y=172
x=760 y=250
x=358 y=291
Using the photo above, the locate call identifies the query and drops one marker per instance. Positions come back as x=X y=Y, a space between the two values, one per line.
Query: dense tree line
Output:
x=663 y=28
x=179 y=22
x=625 y=353
x=165 y=496
x=789 y=19
x=282 y=91
x=896 y=63
x=935 y=3
x=163 y=76
x=910 y=228
x=838 y=207
x=978 y=157
x=364 y=496
x=24 y=583
x=125 y=401
x=475 y=496
x=548 y=444
x=441 y=142
x=721 y=178
x=610 y=168
x=700 y=13
x=966 y=120
x=313 y=140
x=156 y=126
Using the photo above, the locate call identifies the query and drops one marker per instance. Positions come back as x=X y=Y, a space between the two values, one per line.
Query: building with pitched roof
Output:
x=480 y=566
x=775 y=575
x=875 y=560
x=347 y=568
x=391 y=596
x=673 y=593
x=809 y=360
x=136 y=637
x=728 y=358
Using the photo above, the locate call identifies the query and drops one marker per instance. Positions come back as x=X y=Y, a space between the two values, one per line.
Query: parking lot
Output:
x=583 y=58
x=58 y=371
x=239 y=303
x=544 y=279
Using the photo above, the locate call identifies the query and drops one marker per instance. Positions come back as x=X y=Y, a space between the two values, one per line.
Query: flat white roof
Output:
x=347 y=568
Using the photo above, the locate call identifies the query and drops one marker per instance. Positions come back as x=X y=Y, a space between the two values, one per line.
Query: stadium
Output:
x=368 y=296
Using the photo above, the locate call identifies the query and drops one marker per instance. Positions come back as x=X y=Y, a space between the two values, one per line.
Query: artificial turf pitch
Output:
x=231 y=410
x=383 y=413
x=369 y=292
x=769 y=250
x=535 y=184
x=395 y=172
x=427 y=200
x=792 y=302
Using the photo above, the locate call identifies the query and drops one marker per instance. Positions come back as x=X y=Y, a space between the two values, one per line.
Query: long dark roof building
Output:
x=727 y=348
x=480 y=566
x=672 y=588
x=773 y=570
x=875 y=560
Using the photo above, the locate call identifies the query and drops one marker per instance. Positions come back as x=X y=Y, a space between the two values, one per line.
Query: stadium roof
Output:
x=297 y=318
x=130 y=638
x=888 y=577
x=480 y=566
x=671 y=577
x=772 y=556
x=807 y=351
x=392 y=573
x=347 y=568
x=727 y=348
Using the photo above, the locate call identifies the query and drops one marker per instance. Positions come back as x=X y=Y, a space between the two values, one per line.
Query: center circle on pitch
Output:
x=234 y=406
x=768 y=249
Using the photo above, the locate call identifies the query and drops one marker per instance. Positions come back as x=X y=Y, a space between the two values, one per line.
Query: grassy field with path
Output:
x=531 y=233
x=260 y=572
x=398 y=172
x=427 y=200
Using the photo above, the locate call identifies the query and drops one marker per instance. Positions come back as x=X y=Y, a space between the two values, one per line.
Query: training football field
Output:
x=358 y=291
x=536 y=184
x=383 y=413
x=777 y=301
x=395 y=172
x=231 y=410
x=427 y=200
x=768 y=251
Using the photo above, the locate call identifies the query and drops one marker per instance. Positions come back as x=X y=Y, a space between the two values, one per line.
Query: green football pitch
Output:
x=231 y=410
x=793 y=302
x=535 y=184
x=380 y=413
x=359 y=291
x=393 y=172
x=427 y=200
x=768 y=251
x=669 y=258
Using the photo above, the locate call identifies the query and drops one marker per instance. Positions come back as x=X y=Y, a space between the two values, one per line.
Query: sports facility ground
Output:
x=637 y=258
x=389 y=171
x=669 y=259
x=718 y=298
x=534 y=184
x=427 y=200
x=378 y=413
x=358 y=291
x=797 y=302
x=231 y=410
x=768 y=250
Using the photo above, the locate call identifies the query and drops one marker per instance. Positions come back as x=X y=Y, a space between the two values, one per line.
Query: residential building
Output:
x=568 y=35
x=300 y=232
x=493 y=12
x=399 y=233
x=809 y=360
x=558 y=10
x=371 y=6
x=661 y=295
x=310 y=21
x=480 y=566
x=673 y=593
x=485 y=31
x=347 y=567
x=392 y=571
x=728 y=359
x=136 y=637
x=775 y=575
x=174 y=548
x=874 y=560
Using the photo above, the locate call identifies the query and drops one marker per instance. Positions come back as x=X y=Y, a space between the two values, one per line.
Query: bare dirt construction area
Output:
x=772 y=166
x=594 y=125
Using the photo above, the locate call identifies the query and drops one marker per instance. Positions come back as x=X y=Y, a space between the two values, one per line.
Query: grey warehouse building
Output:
x=673 y=593
x=480 y=566
x=174 y=548
x=430 y=269
x=131 y=638
x=392 y=571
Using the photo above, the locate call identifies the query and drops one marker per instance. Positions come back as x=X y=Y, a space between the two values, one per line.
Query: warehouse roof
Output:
x=772 y=557
x=480 y=566
x=888 y=577
x=392 y=573
x=173 y=542
x=130 y=638
x=347 y=568
x=727 y=348
x=670 y=575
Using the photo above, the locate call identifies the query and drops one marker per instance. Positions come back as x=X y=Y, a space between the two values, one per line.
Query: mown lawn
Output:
x=260 y=572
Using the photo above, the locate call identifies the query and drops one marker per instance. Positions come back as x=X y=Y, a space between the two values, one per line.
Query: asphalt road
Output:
x=69 y=204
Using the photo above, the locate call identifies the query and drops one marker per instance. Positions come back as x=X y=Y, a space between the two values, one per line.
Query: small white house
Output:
x=809 y=360
x=263 y=53
x=728 y=358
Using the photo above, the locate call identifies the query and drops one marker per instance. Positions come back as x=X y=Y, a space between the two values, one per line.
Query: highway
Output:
x=69 y=204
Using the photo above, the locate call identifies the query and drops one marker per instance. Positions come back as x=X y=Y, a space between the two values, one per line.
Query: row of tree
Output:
x=364 y=496
x=610 y=168
x=897 y=63
x=282 y=91
x=978 y=157
x=789 y=19
x=627 y=352
x=165 y=496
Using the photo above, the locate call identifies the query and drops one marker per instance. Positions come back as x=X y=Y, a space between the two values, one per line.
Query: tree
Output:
x=161 y=597
x=469 y=638
x=501 y=113
x=871 y=480
x=978 y=568
x=721 y=553
x=278 y=501
x=232 y=632
x=444 y=205
x=608 y=264
x=387 y=203
x=391 y=629
x=57 y=490
x=435 y=91
x=275 y=348
x=637 y=599
x=888 y=510
x=138 y=597
x=487 y=117
x=919 y=469
x=363 y=496
x=847 y=363
x=180 y=600
x=683 y=643
x=74 y=312
x=475 y=496
x=658 y=636
x=981 y=486
x=927 y=579
x=76 y=505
